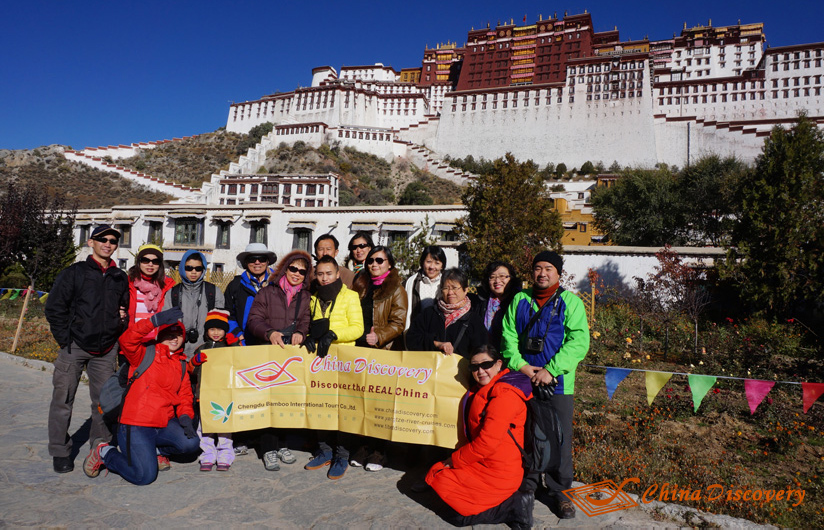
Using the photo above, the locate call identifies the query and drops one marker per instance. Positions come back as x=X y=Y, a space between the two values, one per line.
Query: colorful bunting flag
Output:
x=7 y=295
x=655 y=382
x=700 y=385
x=15 y=294
x=613 y=378
x=756 y=391
x=812 y=391
x=44 y=297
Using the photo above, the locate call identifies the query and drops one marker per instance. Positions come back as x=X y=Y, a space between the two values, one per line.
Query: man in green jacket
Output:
x=545 y=336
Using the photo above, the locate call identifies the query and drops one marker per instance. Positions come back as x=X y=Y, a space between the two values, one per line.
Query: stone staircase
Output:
x=425 y=159
x=95 y=157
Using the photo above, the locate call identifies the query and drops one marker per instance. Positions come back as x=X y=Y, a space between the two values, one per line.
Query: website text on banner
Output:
x=408 y=397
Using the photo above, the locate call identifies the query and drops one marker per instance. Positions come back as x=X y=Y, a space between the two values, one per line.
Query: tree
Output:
x=642 y=208
x=415 y=193
x=407 y=252
x=510 y=217
x=776 y=253
x=587 y=168
x=560 y=170
x=705 y=190
x=36 y=233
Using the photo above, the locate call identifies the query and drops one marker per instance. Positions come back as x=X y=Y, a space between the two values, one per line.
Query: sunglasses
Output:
x=110 y=240
x=296 y=270
x=146 y=261
x=486 y=365
x=379 y=261
x=359 y=245
x=256 y=259
x=190 y=268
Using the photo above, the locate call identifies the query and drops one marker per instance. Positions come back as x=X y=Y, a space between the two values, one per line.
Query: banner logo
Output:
x=220 y=413
x=602 y=497
x=269 y=374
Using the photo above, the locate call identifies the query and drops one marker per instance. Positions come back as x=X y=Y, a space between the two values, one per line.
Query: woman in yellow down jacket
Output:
x=336 y=318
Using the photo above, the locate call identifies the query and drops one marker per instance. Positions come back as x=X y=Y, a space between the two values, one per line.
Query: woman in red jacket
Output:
x=156 y=420
x=480 y=480
x=148 y=283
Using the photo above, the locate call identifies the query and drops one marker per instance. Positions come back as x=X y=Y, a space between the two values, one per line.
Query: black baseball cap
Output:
x=104 y=230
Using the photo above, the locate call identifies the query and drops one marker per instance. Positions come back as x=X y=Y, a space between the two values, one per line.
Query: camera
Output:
x=535 y=344
x=192 y=335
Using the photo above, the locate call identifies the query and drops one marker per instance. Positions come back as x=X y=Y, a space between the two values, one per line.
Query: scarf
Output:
x=453 y=312
x=377 y=280
x=357 y=267
x=256 y=284
x=492 y=307
x=151 y=292
x=542 y=295
x=289 y=289
x=327 y=293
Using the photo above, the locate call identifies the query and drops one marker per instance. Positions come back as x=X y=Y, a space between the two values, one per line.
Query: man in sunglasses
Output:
x=83 y=311
x=545 y=336
x=241 y=291
x=195 y=297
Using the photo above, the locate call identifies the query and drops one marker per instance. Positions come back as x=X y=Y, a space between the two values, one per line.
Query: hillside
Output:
x=47 y=169
x=191 y=161
x=365 y=179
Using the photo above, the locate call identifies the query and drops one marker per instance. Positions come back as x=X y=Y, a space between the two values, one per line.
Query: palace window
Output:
x=155 y=232
x=188 y=231
x=258 y=232
x=223 y=229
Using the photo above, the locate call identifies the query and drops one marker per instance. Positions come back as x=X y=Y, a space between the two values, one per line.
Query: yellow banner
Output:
x=408 y=397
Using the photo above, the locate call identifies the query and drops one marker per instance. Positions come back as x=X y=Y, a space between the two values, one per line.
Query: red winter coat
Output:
x=133 y=297
x=487 y=469
x=162 y=392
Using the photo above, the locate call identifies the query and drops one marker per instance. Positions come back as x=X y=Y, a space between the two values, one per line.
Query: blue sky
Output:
x=96 y=73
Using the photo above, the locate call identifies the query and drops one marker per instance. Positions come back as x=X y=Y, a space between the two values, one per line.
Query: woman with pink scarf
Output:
x=451 y=325
x=148 y=283
x=280 y=316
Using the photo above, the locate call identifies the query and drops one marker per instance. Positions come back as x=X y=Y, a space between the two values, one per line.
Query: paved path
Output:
x=31 y=494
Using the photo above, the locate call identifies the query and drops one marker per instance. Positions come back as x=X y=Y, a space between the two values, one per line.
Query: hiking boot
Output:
x=163 y=463
x=566 y=510
x=270 y=461
x=359 y=458
x=241 y=450
x=337 y=469
x=375 y=461
x=63 y=464
x=93 y=462
x=321 y=459
x=286 y=456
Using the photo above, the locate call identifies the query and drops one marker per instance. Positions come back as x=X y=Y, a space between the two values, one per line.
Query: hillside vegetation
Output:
x=48 y=170
x=191 y=161
x=365 y=179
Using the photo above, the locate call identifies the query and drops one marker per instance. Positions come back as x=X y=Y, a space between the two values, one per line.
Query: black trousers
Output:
x=516 y=509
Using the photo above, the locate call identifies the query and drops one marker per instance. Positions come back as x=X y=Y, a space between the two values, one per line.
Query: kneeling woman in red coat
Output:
x=480 y=480
x=157 y=414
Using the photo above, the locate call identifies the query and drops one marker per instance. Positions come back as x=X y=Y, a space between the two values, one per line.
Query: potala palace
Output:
x=551 y=91
x=557 y=91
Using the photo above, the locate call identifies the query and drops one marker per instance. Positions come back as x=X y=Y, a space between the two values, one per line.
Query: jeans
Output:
x=136 y=457
x=68 y=367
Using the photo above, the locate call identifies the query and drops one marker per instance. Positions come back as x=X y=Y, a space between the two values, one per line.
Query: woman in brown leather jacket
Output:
x=384 y=305
x=383 y=299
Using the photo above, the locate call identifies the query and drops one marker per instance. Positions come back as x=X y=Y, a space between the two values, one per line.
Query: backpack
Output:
x=210 y=295
x=543 y=436
x=114 y=390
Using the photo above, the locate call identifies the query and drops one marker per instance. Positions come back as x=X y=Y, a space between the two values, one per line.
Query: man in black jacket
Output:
x=86 y=313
